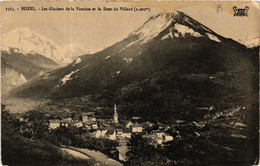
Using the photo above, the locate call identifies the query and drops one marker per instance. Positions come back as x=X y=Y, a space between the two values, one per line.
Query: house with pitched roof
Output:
x=127 y=133
x=87 y=116
x=136 y=128
x=129 y=124
x=119 y=132
x=122 y=150
x=54 y=123
x=167 y=138
x=66 y=122
x=100 y=133
x=78 y=124
x=111 y=134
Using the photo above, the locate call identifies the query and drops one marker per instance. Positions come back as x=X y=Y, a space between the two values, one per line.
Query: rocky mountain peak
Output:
x=175 y=24
x=23 y=40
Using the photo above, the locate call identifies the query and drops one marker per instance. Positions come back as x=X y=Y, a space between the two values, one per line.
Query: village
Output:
x=116 y=130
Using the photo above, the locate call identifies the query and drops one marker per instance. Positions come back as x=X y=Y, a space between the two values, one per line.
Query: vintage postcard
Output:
x=139 y=83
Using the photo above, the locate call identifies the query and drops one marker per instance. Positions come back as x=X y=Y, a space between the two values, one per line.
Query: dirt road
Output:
x=75 y=153
x=98 y=156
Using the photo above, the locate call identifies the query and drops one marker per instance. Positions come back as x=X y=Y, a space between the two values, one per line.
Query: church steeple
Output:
x=115 y=114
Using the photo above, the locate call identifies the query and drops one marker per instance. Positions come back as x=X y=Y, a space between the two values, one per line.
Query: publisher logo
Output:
x=240 y=11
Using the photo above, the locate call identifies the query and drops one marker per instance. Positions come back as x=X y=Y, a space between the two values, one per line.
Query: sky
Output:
x=95 y=30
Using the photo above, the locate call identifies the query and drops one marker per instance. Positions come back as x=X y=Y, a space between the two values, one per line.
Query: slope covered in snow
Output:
x=77 y=61
x=176 y=24
x=250 y=41
x=68 y=77
x=183 y=30
x=25 y=41
x=153 y=27
x=212 y=37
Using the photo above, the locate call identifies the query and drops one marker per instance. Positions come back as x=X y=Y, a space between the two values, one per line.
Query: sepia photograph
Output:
x=136 y=83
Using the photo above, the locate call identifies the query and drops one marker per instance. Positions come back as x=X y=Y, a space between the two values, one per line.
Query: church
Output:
x=115 y=114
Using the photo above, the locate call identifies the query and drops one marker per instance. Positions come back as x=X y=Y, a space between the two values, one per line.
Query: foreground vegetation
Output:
x=20 y=150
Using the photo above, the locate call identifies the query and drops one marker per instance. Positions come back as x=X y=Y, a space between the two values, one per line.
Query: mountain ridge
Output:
x=179 y=42
x=27 y=55
x=23 y=40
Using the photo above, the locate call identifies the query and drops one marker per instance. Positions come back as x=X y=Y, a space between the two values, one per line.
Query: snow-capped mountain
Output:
x=178 y=24
x=250 y=42
x=23 y=40
x=27 y=55
x=172 y=43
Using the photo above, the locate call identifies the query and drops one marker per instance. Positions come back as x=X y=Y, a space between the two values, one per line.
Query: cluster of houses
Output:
x=113 y=130
x=87 y=121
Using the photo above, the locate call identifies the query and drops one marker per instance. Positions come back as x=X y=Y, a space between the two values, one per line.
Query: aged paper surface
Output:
x=130 y=83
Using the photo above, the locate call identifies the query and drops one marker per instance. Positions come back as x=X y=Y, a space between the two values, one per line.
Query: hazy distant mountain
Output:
x=18 y=68
x=171 y=57
x=250 y=42
x=25 y=41
x=14 y=79
x=27 y=55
